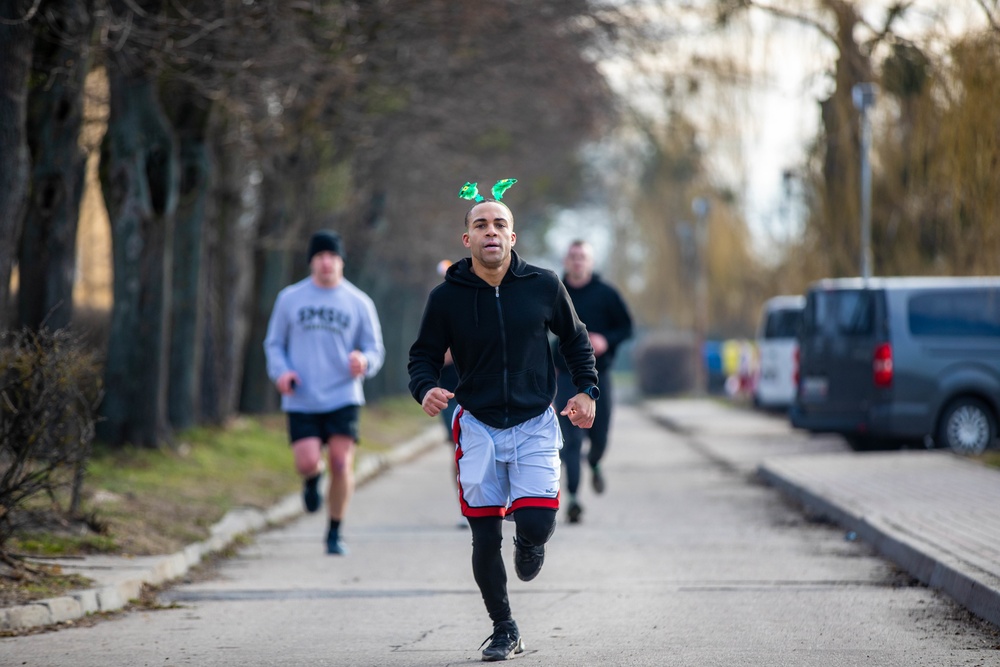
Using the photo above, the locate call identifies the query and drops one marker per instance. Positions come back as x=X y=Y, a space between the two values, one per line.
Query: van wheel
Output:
x=967 y=427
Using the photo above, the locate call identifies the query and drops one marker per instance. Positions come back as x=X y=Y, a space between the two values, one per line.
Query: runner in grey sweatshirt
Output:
x=323 y=339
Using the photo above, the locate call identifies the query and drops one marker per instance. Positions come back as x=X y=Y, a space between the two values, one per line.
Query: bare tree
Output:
x=189 y=115
x=237 y=59
x=48 y=245
x=16 y=44
x=450 y=92
x=139 y=174
x=928 y=209
x=936 y=202
x=230 y=237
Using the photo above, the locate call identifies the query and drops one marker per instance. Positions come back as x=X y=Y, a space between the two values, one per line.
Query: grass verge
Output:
x=991 y=458
x=153 y=502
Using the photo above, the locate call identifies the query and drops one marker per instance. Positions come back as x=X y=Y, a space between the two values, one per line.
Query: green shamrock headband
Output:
x=471 y=190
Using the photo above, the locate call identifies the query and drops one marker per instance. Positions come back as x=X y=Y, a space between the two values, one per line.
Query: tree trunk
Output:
x=47 y=260
x=190 y=120
x=403 y=306
x=400 y=304
x=16 y=40
x=140 y=183
x=274 y=267
x=842 y=133
x=229 y=273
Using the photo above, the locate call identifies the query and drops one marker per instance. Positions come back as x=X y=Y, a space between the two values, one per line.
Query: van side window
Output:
x=782 y=323
x=842 y=313
x=973 y=312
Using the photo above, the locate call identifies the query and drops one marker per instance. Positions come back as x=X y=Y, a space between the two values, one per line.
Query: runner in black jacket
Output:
x=609 y=324
x=499 y=341
x=495 y=312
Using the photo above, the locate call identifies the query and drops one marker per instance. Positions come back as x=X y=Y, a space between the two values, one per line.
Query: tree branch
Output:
x=24 y=19
x=808 y=21
x=994 y=24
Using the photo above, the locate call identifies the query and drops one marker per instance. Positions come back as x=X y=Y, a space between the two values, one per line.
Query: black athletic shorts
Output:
x=342 y=421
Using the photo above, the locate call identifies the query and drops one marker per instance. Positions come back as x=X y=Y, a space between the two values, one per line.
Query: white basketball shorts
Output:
x=502 y=470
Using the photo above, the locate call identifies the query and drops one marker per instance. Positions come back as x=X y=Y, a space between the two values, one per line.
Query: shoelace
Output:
x=497 y=634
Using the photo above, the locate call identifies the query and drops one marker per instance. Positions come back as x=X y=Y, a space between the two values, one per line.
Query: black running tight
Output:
x=534 y=526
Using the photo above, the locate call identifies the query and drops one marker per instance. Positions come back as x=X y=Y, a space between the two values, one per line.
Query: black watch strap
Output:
x=593 y=391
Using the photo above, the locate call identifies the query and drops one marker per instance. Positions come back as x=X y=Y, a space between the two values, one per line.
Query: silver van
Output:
x=897 y=360
x=777 y=349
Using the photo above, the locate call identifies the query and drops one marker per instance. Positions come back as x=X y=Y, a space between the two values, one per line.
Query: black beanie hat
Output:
x=325 y=240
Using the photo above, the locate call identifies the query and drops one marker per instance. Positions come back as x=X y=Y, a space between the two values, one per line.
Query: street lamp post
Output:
x=700 y=207
x=864 y=99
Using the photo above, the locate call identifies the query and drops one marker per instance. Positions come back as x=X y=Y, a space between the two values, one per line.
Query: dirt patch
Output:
x=24 y=582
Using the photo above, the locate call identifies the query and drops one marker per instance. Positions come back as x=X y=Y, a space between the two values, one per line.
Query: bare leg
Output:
x=308 y=456
x=341 y=457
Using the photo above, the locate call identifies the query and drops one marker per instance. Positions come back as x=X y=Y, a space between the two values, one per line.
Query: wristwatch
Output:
x=592 y=391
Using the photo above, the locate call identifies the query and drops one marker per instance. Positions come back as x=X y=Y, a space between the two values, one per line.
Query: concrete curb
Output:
x=155 y=570
x=976 y=590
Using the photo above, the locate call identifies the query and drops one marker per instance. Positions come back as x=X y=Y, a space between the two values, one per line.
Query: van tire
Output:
x=967 y=426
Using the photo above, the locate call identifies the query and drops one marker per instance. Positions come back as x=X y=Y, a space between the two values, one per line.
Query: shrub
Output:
x=50 y=389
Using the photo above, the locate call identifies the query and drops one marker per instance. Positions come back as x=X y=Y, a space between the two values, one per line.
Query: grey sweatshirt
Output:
x=312 y=331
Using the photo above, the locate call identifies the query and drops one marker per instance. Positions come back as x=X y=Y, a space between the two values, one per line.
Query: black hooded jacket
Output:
x=603 y=311
x=499 y=340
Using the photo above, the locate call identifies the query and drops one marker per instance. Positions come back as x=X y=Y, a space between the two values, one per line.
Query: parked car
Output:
x=901 y=359
x=777 y=347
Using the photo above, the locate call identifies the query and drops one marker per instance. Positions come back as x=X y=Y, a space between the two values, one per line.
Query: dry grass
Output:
x=153 y=502
x=991 y=458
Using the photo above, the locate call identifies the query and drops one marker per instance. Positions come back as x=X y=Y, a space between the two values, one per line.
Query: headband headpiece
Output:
x=471 y=190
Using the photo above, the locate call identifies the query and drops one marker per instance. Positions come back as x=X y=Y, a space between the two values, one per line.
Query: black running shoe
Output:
x=310 y=493
x=528 y=560
x=574 y=512
x=598 y=481
x=504 y=641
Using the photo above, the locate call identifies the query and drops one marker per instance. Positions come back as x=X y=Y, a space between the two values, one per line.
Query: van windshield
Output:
x=971 y=312
x=840 y=313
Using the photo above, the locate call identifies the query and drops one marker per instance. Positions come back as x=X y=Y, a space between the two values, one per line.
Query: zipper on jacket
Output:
x=503 y=349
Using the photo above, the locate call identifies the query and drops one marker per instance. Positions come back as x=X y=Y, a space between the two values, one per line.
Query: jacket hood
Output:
x=461 y=273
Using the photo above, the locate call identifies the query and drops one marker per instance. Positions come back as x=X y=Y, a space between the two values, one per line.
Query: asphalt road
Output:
x=686 y=560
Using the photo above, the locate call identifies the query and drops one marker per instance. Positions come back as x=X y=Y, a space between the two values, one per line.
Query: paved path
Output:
x=681 y=562
x=933 y=513
x=119 y=579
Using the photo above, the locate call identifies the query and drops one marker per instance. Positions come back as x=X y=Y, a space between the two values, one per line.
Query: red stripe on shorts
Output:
x=547 y=503
x=455 y=430
x=468 y=510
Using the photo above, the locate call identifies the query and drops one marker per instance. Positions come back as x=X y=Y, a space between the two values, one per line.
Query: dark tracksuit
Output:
x=499 y=342
x=603 y=311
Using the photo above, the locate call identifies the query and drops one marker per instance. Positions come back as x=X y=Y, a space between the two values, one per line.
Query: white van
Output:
x=777 y=349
